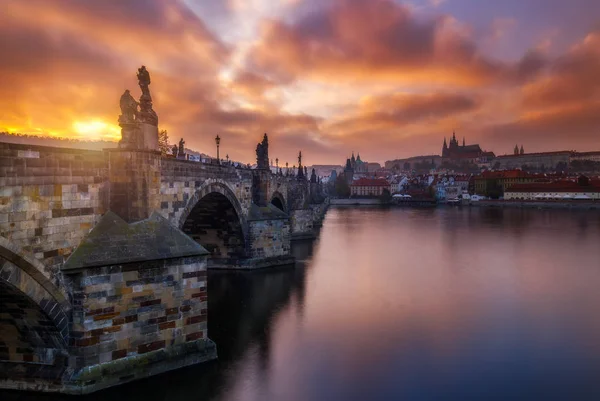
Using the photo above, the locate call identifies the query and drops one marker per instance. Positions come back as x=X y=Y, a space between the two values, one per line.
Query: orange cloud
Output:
x=376 y=40
x=65 y=63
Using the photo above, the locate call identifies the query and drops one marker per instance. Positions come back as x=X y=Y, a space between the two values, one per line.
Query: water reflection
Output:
x=432 y=304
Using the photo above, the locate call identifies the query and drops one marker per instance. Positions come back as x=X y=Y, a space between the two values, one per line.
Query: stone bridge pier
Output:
x=104 y=255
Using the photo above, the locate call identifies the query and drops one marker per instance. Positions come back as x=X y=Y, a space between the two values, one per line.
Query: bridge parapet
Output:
x=50 y=198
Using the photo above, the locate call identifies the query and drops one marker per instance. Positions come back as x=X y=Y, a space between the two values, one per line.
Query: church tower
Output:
x=453 y=141
x=522 y=150
x=516 y=150
x=444 y=148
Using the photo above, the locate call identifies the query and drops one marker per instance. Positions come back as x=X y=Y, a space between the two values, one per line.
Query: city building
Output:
x=414 y=163
x=356 y=168
x=585 y=156
x=450 y=186
x=495 y=183
x=369 y=187
x=583 y=189
x=534 y=161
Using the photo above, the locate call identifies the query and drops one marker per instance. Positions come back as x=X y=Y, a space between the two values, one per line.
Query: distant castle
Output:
x=517 y=151
x=456 y=152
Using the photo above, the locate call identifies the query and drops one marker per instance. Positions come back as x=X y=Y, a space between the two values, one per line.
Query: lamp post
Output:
x=227 y=157
x=218 y=142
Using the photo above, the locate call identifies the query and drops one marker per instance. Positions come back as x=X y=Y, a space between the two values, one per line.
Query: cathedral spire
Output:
x=516 y=150
x=522 y=150
x=463 y=141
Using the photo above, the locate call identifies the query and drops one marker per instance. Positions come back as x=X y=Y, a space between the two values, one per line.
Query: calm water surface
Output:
x=444 y=304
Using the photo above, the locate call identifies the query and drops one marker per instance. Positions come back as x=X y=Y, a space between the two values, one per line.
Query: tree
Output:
x=163 y=142
x=561 y=167
x=341 y=186
x=386 y=196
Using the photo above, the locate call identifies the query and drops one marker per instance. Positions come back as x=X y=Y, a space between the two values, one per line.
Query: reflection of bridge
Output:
x=99 y=282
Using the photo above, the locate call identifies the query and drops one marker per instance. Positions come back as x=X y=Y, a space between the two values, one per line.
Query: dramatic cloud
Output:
x=379 y=76
x=395 y=111
x=371 y=39
x=573 y=78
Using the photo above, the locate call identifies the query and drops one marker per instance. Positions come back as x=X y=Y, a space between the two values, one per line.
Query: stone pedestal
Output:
x=139 y=304
x=260 y=187
x=134 y=177
x=138 y=135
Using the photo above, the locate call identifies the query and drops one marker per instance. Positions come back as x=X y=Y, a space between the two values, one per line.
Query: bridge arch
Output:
x=37 y=330
x=214 y=218
x=278 y=200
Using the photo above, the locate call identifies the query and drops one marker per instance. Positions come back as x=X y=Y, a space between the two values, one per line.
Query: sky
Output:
x=385 y=78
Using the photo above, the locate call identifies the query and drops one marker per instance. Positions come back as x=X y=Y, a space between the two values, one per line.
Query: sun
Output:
x=96 y=130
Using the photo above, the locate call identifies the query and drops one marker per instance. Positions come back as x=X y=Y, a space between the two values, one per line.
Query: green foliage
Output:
x=163 y=142
x=342 y=189
x=584 y=166
x=461 y=167
x=386 y=196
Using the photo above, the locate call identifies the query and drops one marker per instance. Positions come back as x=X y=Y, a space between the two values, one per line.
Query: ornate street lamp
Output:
x=227 y=157
x=218 y=142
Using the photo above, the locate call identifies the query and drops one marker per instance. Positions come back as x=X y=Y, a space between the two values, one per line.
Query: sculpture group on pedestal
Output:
x=131 y=115
x=300 y=168
x=181 y=153
x=262 y=153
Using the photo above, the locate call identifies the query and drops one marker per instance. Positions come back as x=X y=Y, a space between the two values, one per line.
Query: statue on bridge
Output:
x=129 y=108
x=300 y=169
x=262 y=153
x=181 y=152
x=147 y=114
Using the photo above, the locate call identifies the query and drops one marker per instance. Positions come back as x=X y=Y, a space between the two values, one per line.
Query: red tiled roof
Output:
x=370 y=182
x=556 y=186
x=508 y=174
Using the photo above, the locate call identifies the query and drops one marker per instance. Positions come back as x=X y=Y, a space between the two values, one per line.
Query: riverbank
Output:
x=538 y=204
x=356 y=202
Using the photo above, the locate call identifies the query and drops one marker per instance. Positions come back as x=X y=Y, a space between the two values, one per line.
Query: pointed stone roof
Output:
x=268 y=212
x=113 y=241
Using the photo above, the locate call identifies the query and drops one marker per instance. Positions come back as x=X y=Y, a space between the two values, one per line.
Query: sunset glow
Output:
x=386 y=77
x=95 y=130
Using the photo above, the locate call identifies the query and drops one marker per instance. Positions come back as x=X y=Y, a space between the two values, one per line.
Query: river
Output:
x=407 y=304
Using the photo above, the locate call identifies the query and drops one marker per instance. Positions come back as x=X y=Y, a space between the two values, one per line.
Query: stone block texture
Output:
x=50 y=198
x=134 y=183
x=80 y=327
x=128 y=310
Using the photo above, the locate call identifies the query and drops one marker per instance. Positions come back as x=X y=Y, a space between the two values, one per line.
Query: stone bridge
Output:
x=103 y=254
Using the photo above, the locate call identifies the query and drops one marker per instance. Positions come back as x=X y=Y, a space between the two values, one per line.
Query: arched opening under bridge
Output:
x=215 y=223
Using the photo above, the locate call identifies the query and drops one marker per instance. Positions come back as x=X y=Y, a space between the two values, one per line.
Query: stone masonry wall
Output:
x=130 y=310
x=50 y=198
x=134 y=183
x=182 y=179
x=302 y=223
x=270 y=238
